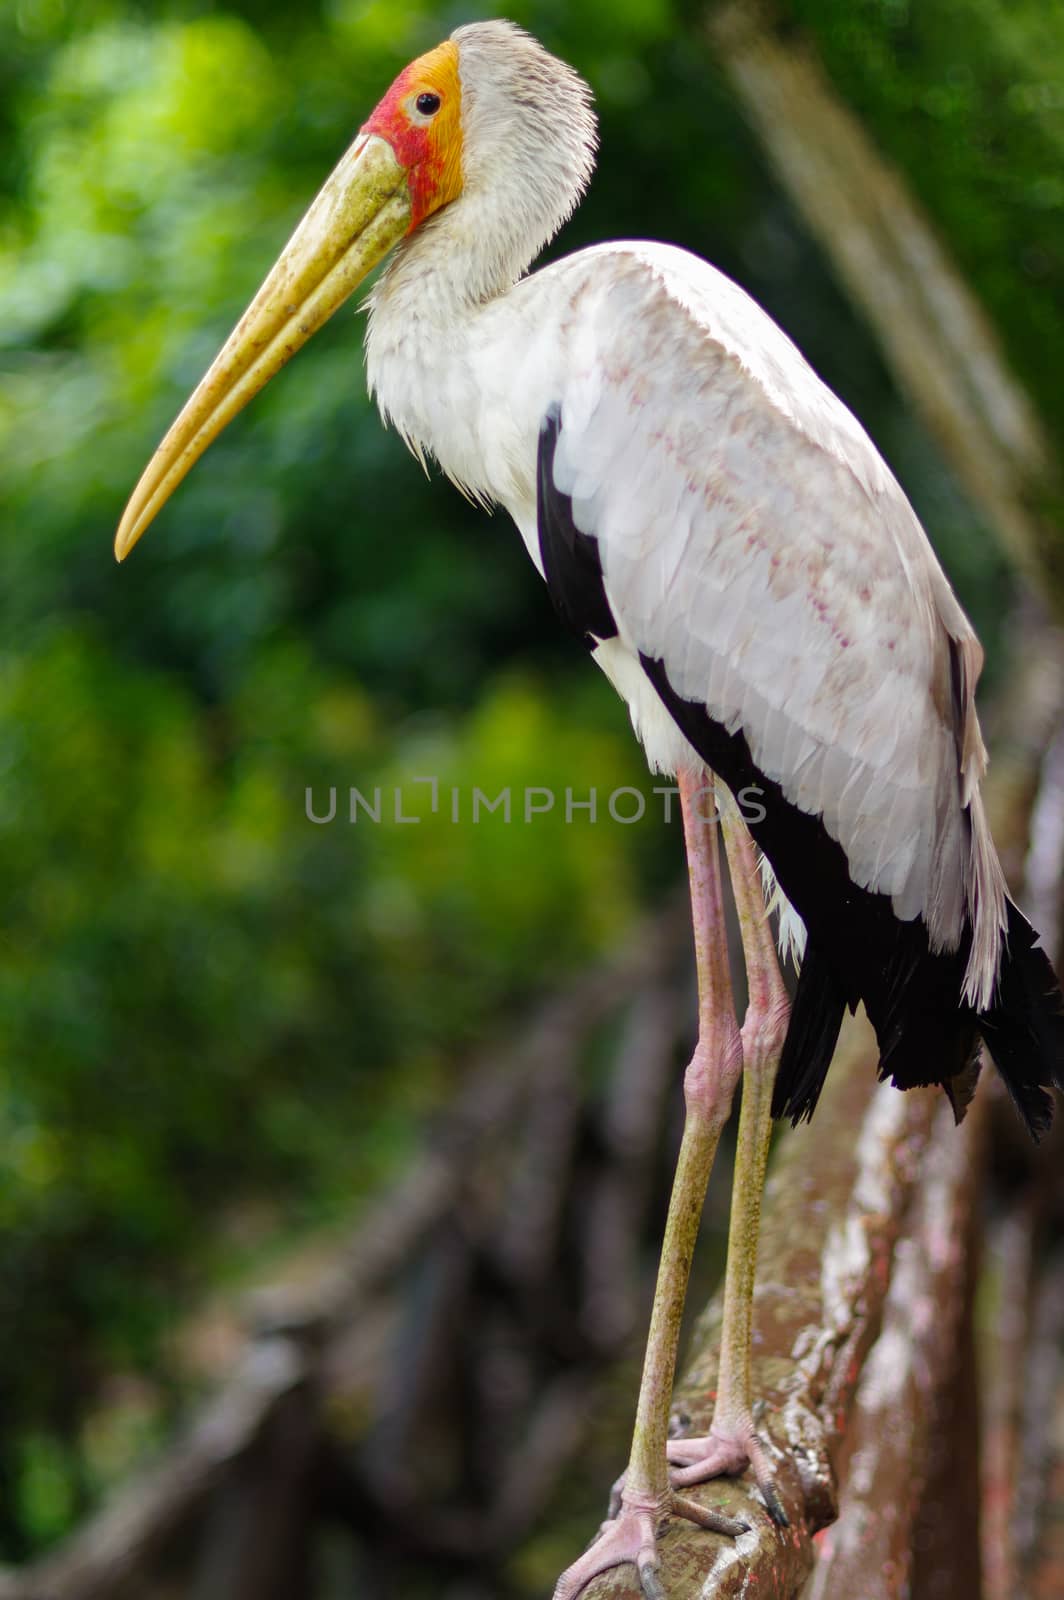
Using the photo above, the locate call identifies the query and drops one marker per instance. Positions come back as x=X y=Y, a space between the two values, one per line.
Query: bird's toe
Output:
x=727 y=1454
x=631 y=1537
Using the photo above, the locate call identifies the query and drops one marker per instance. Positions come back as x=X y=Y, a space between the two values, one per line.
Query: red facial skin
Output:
x=431 y=151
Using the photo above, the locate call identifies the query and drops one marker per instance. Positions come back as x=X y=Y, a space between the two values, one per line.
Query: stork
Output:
x=715 y=525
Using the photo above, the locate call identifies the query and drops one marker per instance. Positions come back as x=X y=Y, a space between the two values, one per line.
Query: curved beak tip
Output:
x=130 y=527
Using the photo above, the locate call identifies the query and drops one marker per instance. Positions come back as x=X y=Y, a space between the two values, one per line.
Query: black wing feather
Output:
x=571 y=563
x=857 y=948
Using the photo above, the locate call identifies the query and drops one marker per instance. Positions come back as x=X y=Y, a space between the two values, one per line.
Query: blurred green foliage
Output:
x=967 y=96
x=204 y=996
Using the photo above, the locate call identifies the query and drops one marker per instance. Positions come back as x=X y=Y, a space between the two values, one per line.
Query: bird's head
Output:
x=420 y=120
x=488 y=129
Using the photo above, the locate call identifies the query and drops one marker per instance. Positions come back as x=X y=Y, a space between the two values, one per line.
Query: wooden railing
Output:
x=433 y=1393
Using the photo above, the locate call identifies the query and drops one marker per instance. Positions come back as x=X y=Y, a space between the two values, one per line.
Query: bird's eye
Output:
x=428 y=104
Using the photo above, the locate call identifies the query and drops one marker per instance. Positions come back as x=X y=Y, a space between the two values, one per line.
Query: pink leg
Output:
x=646 y=1497
x=732 y=1443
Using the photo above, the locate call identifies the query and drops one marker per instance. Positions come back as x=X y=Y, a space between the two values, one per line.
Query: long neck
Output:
x=420 y=347
x=436 y=351
x=458 y=261
x=427 y=320
x=528 y=143
x=417 y=336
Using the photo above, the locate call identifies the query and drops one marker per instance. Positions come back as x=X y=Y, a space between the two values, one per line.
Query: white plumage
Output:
x=750 y=536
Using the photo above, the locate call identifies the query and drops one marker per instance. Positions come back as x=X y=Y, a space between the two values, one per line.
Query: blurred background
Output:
x=225 y=1028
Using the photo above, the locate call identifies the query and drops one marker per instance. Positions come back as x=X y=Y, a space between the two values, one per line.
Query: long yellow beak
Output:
x=362 y=210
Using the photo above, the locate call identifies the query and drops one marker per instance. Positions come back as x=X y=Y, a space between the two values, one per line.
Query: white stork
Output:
x=745 y=569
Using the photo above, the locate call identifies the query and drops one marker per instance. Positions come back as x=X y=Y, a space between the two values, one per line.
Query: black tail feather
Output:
x=816 y=1017
x=1024 y=1028
x=926 y=1034
x=858 y=949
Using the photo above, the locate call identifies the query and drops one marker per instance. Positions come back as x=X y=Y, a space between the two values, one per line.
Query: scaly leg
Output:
x=709 y=1084
x=732 y=1443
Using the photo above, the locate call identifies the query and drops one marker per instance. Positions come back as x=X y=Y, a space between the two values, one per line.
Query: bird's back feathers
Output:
x=857 y=948
x=772 y=604
x=753 y=540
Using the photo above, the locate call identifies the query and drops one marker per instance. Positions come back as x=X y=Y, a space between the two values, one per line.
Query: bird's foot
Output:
x=631 y=1535
x=726 y=1452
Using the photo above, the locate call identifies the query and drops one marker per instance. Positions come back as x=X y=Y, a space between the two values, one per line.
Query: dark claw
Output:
x=649 y=1581
x=774 y=1505
x=760 y=1460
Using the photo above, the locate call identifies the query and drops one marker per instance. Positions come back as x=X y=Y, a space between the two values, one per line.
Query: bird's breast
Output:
x=469 y=389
